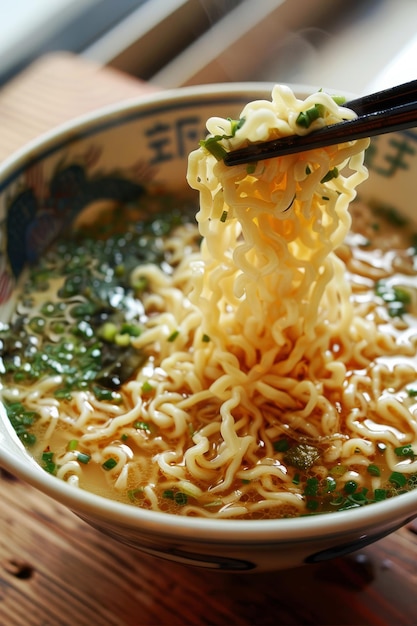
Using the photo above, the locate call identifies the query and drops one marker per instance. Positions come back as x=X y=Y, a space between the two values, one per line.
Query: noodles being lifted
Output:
x=265 y=383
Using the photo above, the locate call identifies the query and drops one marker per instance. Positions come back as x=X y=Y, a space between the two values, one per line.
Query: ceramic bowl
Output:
x=110 y=154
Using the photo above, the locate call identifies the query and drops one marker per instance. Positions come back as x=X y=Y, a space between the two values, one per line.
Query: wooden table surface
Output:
x=57 y=571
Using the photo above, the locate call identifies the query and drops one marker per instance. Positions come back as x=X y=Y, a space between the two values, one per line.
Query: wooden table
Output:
x=57 y=571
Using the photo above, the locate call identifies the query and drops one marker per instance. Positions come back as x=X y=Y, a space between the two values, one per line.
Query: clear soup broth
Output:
x=108 y=380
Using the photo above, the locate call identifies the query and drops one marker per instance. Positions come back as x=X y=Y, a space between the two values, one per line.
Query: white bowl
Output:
x=159 y=131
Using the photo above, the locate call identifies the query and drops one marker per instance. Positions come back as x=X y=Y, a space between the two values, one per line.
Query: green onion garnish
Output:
x=135 y=494
x=334 y=173
x=380 y=494
x=214 y=147
x=47 y=461
x=412 y=391
x=181 y=498
x=147 y=387
x=109 y=464
x=306 y=118
x=350 y=486
x=281 y=445
x=312 y=487
x=406 y=451
x=296 y=479
x=373 y=470
x=173 y=335
x=398 y=479
x=330 y=484
x=84 y=458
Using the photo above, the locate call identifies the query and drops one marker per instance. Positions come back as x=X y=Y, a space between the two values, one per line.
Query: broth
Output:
x=103 y=326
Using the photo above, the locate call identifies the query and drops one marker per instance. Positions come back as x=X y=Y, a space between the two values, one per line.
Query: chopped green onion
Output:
x=223 y=216
x=107 y=394
x=235 y=125
x=330 y=484
x=406 y=451
x=109 y=464
x=212 y=143
x=334 y=173
x=214 y=147
x=135 y=494
x=37 y=324
x=147 y=387
x=140 y=284
x=359 y=497
x=312 y=487
x=339 y=100
x=380 y=494
x=72 y=445
x=48 y=463
x=133 y=330
x=22 y=419
x=82 y=457
x=373 y=470
x=350 y=486
x=122 y=340
x=205 y=338
x=181 y=498
x=338 y=470
x=108 y=331
x=173 y=335
x=281 y=445
x=306 y=118
x=398 y=479
x=397 y=298
x=412 y=481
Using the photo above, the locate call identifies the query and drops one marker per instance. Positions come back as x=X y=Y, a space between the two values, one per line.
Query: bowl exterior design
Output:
x=115 y=156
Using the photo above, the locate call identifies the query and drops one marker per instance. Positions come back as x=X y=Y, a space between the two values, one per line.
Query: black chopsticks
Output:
x=382 y=112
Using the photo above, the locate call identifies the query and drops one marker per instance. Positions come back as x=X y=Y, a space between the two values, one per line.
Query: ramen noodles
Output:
x=258 y=361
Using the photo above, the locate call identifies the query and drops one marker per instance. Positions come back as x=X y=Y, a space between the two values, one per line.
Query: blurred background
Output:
x=355 y=45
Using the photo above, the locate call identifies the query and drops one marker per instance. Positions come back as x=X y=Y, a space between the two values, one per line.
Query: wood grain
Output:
x=55 y=89
x=57 y=571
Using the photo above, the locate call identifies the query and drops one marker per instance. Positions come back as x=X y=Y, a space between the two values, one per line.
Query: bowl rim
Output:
x=231 y=531
x=93 y=121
